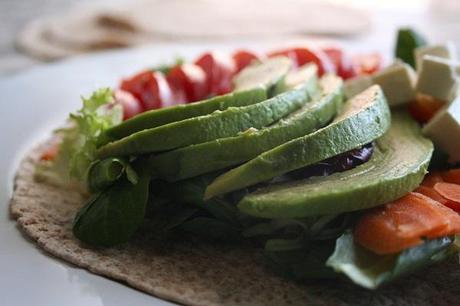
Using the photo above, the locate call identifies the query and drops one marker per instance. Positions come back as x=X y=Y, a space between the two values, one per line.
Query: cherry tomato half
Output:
x=219 y=69
x=244 y=58
x=302 y=56
x=189 y=79
x=130 y=104
x=341 y=61
x=150 y=88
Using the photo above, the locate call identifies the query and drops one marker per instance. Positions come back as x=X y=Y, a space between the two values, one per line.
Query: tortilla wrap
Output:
x=202 y=274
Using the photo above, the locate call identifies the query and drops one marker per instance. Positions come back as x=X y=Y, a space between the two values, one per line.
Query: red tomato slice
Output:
x=302 y=56
x=341 y=61
x=189 y=79
x=244 y=58
x=367 y=63
x=130 y=104
x=219 y=69
x=150 y=88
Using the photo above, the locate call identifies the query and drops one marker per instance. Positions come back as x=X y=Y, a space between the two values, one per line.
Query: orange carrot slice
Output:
x=431 y=193
x=424 y=107
x=432 y=178
x=451 y=176
x=451 y=192
x=404 y=223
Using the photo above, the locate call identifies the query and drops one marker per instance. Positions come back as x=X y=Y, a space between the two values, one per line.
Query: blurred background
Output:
x=33 y=32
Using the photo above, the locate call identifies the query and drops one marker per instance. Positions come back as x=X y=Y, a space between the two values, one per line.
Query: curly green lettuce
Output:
x=79 y=140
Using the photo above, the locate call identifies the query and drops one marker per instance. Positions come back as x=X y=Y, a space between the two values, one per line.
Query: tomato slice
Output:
x=150 y=88
x=219 y=69
x=367 y=63
x=189 y=81
x=130 y=104
x=341 y=61
x=302 y=56
x=244 y=58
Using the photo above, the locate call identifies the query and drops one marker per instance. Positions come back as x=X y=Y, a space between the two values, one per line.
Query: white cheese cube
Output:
x=444 y=130
x=356 y=85
x=397 y=82
x=437 y=78
x=446 y=51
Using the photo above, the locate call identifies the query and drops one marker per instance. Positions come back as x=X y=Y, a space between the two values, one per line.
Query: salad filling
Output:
x=316 y=158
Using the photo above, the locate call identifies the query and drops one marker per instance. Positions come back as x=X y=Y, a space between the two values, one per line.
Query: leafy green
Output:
x=370 y=270
x=298 y=248
x=407 y=41
x=104 y=173
x=112 y=216
x=81 y=136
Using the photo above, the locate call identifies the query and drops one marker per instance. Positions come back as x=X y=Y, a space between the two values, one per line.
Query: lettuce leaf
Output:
x=80 y=138
x=370 y=270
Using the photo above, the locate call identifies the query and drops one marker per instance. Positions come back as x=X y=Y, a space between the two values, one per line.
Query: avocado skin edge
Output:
x=387 y=176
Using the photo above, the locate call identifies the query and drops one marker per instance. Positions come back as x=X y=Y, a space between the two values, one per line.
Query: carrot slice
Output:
x=404 y=223
x=424 y=107
x=431 y=179
x=451 y=176
x=451 y=192
x=431 y=193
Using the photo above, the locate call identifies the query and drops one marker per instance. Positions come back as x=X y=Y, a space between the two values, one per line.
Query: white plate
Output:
x=31 y=105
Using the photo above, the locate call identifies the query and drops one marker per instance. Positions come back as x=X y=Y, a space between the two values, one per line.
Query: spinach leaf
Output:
x=407 y=41
x=112 y=216
x=104 y=173
x=370 y=270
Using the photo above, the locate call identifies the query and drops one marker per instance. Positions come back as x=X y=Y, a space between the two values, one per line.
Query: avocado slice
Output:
x=201 y=129
x=224 y=152
x=158 y=117
x=364 y=118
x=397 y=166
x=268 y=74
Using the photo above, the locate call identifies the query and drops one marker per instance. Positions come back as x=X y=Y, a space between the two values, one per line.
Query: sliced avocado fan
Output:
x=224 y=152
x=397 y=166
x=208 y=127
x=364 y=118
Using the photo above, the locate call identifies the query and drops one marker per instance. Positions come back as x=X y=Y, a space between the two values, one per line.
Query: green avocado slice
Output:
x=158 y=117
x=364 y=118
x=397 y=166
x=224 y=152
x=269 y=74
x=201 y=129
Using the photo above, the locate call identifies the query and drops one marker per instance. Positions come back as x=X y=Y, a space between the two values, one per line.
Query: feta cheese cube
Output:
x=444 y=130
x=397 y=82
x=446 y=51
x=437 y=78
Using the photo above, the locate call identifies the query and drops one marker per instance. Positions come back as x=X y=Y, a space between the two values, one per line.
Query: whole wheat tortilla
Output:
x=202 y=274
